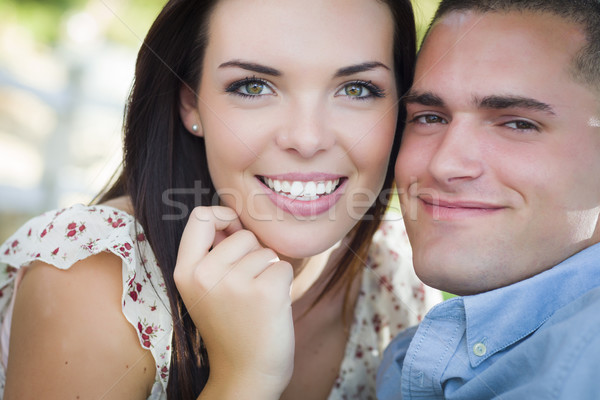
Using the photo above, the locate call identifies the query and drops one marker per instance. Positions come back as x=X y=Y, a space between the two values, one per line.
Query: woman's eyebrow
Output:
x=263 y=69
x=250 y=66
x=362 y=67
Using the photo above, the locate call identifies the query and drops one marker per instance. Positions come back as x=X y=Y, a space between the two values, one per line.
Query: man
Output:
x=499 y=178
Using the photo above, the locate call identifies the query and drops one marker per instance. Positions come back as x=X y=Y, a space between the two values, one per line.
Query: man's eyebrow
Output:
x=502 y=102
x=425 y=99
x=254 y=67
x=493 y=102
x=353 y=69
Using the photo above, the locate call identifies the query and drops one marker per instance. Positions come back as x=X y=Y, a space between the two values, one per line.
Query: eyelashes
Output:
x=514 y=124
x=250 y=87
x=355 y=90
x=253 y=87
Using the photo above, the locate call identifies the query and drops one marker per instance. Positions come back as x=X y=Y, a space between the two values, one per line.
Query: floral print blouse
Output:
x=391 y=296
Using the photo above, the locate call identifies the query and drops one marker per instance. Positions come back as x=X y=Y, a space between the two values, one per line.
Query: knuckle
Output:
x=245 y=236
x=277 y=282
x=223 y=213
x=270 y=254
x=178 y=277
x=287 y=271
x=200 y=213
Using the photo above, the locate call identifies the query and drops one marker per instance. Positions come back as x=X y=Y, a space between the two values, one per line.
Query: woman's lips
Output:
x=304 y=195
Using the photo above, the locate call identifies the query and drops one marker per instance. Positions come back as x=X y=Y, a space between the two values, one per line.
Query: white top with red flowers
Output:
x=391 y=296
x=64 y=237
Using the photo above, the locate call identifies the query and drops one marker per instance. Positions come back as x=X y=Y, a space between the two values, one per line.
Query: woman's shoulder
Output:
x=390 y=241
x=390 y=254
x=77 y=313
x=65 y=237
x=391 y=287
x=391 y=298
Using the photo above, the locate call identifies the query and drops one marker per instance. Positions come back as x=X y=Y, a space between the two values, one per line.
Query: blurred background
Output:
x=66 y=67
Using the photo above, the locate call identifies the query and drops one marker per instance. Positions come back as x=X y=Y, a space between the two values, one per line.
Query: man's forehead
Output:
x=542 y=24
x=510 y=43
x=457 y=19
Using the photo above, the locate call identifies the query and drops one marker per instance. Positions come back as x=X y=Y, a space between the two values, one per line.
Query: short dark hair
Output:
x=585 y=13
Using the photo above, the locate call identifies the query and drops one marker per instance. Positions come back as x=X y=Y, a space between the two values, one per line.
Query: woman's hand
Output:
x=238 y=295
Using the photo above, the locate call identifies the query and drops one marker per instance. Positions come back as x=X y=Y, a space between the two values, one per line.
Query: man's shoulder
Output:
x=569 y=344
x=583 y=311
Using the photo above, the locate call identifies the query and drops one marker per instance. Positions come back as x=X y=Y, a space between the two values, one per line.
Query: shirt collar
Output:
x=499 y=318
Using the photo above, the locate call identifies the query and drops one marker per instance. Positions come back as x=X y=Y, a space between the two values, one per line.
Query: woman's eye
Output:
x=255 y=88
x=430 y=119
x=360 y=90
x=521 y=125
x=354 y=90
x=250 y=88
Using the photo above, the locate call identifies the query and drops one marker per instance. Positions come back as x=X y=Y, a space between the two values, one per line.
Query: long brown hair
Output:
x=165 y=167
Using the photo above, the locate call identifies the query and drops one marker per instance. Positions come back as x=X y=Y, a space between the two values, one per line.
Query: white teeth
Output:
x=310 y=190
x=297 y=188
x=320 y=188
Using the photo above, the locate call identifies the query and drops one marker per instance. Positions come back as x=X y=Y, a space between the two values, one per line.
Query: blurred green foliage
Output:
x=424 y=10
x=44 y=19
x=134 y=20
x=447 y=295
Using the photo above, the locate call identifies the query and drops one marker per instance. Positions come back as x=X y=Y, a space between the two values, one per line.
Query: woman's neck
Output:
x=309 y=273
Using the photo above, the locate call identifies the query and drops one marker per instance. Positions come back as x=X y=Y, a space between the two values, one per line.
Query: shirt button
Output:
x=479 y=349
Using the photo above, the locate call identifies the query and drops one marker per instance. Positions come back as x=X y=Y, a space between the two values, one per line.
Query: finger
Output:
x=220 y=235
x=232 y=250
x=254 y=263
x=199 y=233
x=278 y=276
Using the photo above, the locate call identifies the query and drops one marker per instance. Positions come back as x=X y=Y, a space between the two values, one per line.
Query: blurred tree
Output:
x=424 y=10
x=44 y=18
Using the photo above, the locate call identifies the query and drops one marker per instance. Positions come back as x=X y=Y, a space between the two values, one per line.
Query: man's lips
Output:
x=458 y=203
x=442 y=209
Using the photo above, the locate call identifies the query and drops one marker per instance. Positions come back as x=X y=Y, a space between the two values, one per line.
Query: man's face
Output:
x=499 y=169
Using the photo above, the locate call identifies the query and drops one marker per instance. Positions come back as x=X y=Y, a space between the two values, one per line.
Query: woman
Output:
x=278 y=118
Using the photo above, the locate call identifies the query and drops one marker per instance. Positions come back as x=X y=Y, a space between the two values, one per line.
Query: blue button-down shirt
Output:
x=535 y=339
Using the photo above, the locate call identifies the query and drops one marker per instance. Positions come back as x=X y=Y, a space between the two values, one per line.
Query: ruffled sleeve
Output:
x=63 y=237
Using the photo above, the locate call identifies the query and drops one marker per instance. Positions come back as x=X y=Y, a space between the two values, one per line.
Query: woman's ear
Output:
x=188 y=111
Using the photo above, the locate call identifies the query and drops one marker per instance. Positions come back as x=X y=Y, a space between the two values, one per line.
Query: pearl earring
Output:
x=195 y=127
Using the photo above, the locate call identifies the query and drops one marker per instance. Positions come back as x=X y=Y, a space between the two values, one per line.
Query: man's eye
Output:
x=430 y=119
x=521 y=125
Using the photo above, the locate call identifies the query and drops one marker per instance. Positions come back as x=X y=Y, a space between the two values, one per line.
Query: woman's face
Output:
x=297 y=104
